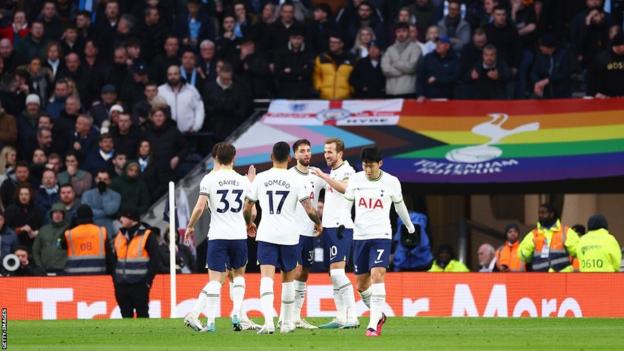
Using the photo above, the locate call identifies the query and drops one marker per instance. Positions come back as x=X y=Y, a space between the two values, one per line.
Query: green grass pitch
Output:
x=398 y=334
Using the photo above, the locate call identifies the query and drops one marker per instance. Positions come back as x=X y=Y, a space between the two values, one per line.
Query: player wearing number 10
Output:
x=224 y=191
x=373 y=191
x=279 y=194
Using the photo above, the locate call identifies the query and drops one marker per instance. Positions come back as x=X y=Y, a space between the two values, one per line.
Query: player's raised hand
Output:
x=251 y=173
x=251 y=230
x=318 y=172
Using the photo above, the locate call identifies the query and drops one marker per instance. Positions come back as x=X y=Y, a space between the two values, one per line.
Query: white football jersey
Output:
x=313 y=185
x=226 y=191
x=334 y=200
x=279 y=194
x=372 y=200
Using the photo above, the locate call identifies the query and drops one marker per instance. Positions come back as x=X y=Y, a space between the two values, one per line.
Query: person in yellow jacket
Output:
x=332 y=70
x=551 y=246
x=446 y=262
x=598 y=250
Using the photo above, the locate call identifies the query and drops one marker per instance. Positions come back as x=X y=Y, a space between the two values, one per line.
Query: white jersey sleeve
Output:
x=313 y=186
x=334 y=199
x=279 y=195
x=226 y=191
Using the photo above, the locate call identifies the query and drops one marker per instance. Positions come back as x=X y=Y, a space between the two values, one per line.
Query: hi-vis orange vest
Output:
x=558 y=257
x=86 y=252
x=132 y=258
x=507 y=255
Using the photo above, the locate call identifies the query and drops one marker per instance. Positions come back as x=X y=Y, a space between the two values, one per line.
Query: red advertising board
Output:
x=408 y=294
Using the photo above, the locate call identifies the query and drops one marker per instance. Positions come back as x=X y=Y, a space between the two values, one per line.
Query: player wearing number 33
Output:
x=224 y=191
x=373 y=191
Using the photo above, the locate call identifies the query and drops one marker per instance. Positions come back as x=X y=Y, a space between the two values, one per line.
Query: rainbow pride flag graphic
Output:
x=457 y=141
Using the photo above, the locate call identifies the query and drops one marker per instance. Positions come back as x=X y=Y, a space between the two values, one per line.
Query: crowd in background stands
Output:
x=104 y=101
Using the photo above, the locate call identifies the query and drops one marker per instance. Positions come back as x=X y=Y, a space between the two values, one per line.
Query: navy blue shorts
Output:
x=226 y=254
x=306 y=251
x=371 y=253
x=337 y=249
x=283 y=257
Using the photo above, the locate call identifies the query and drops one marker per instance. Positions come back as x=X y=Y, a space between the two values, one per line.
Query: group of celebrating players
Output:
x=289 y=222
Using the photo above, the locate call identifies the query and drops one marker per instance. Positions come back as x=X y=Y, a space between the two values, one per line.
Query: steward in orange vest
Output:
x=137 y=262
x=88 y=247
x=507 y=259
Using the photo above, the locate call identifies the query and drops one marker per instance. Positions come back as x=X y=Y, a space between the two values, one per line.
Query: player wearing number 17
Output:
x=224 y=191
x=279 y=194
x=373 y=191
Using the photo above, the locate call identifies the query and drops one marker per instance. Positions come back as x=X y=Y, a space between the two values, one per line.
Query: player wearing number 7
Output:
x=279 y=195
x=373 y=191
x=224 y=191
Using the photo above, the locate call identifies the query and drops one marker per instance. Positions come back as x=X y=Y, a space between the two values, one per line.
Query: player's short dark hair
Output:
x=300 y=142
x=281 y=151
x=224 y=153
x=339 y=143
x=370 y=154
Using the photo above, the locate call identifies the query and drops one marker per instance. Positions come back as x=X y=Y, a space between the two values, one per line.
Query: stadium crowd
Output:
x=103 y=102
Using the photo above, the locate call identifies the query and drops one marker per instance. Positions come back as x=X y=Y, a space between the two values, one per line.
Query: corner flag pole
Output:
x=172 y=251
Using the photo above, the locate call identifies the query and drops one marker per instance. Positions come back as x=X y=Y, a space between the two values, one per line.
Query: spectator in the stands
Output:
x=169 y=147
x=446 y=261
x=27 y=123
x=490 y=76
x=37 y=166
x=132 y=91
x=363 y=40
x=227 y=42
x=133 y=191
x=367 y=79
x=332 y=70
x=106 y=26
x=80 y=179
x=399 y=64
x=71 y=42
x=552 y=70
x=244 y=20
x=69 y=200
x=206 y=64
x=119 y=164
x=10 y=184
x=606 y=73
x=146 y=161
x=523 y=15
x=72 y=69
x=27 y=268
x=8 y=159
x=34 y=45
x=57 y=102
x=252 y=69
x=152 y=32
x=53 y=58
x=425 y=13
x=187 y=107
x=101 y=109
x=46 y=251
x=8 y=239
x=431 y=38
x=504 y=36
x=594 y=34
x=454 y=26
x=194 y=25
x=487 y=258
x=51 y=22
x=104 y=201
x=48 y=193
x=320 y=27
x=141 y=110
x=439 y=72
x=226 y=102
x=40 y=80
x=279 y=31
x=17 y=30
x=366 y=16
x=100 y=157
x=8 y=128
x=84 y=138
x=189 y=70
x=125 y=135
x=293 y=68
x=161 y=63
x=23 y=216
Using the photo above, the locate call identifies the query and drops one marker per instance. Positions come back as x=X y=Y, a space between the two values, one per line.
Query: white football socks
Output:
x=288 y=302
x=202 y=299
x=212 y=292
x=300 y=293
x=266 y=300
x=377 y=302
x=343 y=295
x=366 y=296
x=237 y=291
